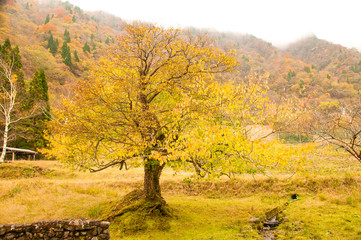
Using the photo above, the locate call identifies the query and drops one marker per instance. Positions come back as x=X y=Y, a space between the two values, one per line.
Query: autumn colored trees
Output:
x=339 y=123
x=139 y=101
x=18 y=104
x=154 y=100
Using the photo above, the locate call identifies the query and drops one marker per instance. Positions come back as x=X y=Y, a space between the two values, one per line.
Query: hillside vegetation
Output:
x=309 y=67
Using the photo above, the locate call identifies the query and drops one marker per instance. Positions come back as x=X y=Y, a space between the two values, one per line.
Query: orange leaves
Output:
x=4 y=19
x=48 y=27
x=60 y=12
x=140 y=98
x=67 y=19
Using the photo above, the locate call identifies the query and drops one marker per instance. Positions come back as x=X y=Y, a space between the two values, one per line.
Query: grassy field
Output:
x=329 y=206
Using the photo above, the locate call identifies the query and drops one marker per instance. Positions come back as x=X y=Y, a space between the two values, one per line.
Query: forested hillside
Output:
x=309 y=67
x=56 y=36
x=64 y=40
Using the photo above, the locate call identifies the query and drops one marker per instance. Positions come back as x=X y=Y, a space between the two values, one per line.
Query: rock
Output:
x=75 y=222
x=254 y=220
x=29 y=235
x=51 y=234
x=104 y=236
x=271 y=223
x=104 y=224
x=66 y=234
x=67 y=229
x=9 y=236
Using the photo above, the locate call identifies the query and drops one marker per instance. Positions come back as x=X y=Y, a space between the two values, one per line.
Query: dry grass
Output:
x=330 y=205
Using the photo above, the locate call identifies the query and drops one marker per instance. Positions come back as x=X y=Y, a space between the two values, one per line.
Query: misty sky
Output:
x=277 y=21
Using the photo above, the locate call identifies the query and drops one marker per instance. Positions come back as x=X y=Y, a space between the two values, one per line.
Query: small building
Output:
x=13 y=151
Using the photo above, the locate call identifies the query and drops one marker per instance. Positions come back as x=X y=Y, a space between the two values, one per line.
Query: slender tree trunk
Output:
x=152 y=172
x=5 y=139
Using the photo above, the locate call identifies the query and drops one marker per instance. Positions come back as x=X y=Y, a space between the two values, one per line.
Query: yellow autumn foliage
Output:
x=154 y=99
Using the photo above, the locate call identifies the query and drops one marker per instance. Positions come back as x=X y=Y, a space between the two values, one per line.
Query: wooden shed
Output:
x=13 y=152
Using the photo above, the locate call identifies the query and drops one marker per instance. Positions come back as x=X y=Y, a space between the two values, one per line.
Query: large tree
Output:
x=138 y=101
x=339 y=123
x=153 y=100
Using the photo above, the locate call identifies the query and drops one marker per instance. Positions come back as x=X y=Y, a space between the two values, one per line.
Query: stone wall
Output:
x=57 y=229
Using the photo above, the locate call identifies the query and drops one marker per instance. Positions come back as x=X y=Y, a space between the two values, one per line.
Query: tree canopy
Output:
x=138 y=99
x=154 y=100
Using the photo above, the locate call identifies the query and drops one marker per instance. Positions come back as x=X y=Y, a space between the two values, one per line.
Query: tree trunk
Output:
x=152 y=172
x=5 y=139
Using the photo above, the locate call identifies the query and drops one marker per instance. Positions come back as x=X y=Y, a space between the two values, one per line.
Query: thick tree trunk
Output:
x=152 y=172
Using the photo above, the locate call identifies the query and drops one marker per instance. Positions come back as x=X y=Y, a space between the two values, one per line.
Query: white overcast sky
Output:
x=277 y=21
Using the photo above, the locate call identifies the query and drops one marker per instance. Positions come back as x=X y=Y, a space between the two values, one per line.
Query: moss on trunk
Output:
x=136 y=212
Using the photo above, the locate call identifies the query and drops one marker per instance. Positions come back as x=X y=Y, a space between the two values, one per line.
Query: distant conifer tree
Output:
x=76 y=56
x=67 y=59
x=86 y=48
x=47 y=19
x=52 y=45
x=67 y=36
x=66 y=54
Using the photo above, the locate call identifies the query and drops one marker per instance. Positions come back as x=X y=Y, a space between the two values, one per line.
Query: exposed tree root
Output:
x=137 y=213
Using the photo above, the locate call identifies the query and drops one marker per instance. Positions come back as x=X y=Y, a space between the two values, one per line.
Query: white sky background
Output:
x=277 y=21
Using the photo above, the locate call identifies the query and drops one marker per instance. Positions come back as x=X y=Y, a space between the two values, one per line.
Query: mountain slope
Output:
x=310 y=67
x=29 y=24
